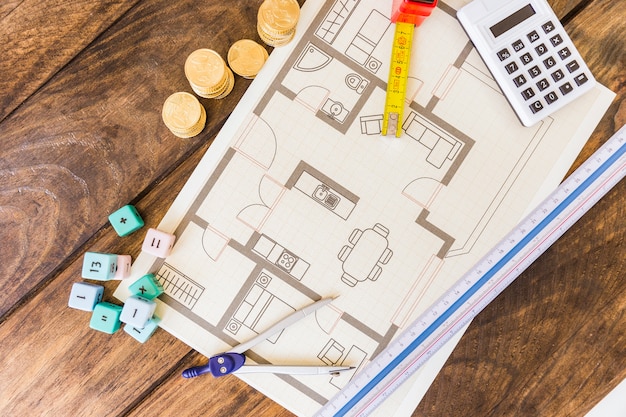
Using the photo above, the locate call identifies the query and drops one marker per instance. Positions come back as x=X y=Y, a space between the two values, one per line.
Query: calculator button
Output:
x=520 y=80
x=551 y=97
x=541 y=49
x=526 y=58
x=549 y=62
x=518 y=45
x=564 y=53
x=536 y=107
x=534 y=71
x=556 y=40
x=511 y=67
x=504 y=54
x=533 y=36
x=543 y=84
x=528 y=93
x=572 y=66
x=547 y=27
x=558 y=75
x=581 y=79
x=566 y=88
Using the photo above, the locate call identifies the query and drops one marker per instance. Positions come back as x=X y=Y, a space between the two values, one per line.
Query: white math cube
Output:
x=84 y=296
x=124 y=263
x=137 y=311
x=158 y=243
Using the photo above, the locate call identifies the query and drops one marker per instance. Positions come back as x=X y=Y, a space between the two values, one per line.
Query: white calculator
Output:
x=528 y=53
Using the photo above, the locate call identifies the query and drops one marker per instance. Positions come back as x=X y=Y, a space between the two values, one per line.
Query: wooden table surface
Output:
x=82 y=83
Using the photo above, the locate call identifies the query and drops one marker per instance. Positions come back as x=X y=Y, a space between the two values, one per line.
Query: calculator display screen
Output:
x=512 y=21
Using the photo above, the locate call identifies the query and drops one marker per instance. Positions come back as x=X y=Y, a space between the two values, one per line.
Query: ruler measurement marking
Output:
x=398 y=77
x=470 y=312
x=525 y=242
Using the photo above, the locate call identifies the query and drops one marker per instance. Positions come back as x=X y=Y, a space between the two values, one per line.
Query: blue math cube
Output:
x=126 y=220
x=106 y=318
x=99 y=266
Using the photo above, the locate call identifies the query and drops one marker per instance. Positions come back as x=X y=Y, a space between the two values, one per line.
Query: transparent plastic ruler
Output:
x=483 y=282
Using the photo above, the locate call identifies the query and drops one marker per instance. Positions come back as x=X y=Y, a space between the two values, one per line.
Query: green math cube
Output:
x=106 y=317
x=147 y=286
x=100 y=266
x=142 y=335
x=126 y=220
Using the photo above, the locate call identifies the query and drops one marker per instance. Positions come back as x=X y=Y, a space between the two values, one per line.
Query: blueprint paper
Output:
x=299 y=197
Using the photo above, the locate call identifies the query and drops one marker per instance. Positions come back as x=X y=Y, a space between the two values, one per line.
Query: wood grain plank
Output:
x=52 y=363
x=8 y=6
x=38 y=38
x=563 y=7
x=92 y=139
x=575 y=294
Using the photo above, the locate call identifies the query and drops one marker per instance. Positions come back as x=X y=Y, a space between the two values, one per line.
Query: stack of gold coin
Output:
x=208 y=74
x=183 y=115
x=246 y=58
x=276 y=21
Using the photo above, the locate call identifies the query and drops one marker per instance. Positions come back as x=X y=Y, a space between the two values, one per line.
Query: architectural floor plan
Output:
x=300 y=197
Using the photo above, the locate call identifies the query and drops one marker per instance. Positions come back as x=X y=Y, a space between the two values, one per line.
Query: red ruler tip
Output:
x=411 y=11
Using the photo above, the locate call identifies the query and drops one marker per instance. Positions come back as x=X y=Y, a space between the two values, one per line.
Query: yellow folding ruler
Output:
x=398 y=77
x=406 y=14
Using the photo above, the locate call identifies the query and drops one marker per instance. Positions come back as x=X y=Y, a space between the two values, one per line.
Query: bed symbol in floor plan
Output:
x=365 y=254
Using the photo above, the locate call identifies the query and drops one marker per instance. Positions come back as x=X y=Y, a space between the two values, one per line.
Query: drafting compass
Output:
x=233 y=362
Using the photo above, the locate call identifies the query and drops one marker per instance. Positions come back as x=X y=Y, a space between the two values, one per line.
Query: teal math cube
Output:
x=142 y=335
x=99 y=266
x=106 y=318
x=126 y=220
x=147 y=286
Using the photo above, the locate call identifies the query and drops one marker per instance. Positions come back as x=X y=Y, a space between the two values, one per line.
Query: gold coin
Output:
x=280 y=15
x=181 y=112
x=219 y=91
x=205 y=68
x=228 y=87
x=195 y=130
x=272 y=31
x=275 y=40
x=246 y=57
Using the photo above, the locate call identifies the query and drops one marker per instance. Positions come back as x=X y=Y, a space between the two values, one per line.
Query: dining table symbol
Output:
x=365 y=254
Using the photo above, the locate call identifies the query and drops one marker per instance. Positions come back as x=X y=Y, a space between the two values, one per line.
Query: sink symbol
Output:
x=325 y=197
x=321 y=192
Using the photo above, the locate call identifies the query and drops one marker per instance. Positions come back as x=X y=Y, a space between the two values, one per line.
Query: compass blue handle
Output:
x=226 y=363
x=196 y=371
x=219 y=365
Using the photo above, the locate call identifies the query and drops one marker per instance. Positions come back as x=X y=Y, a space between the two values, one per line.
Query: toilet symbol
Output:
x=356 y=82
